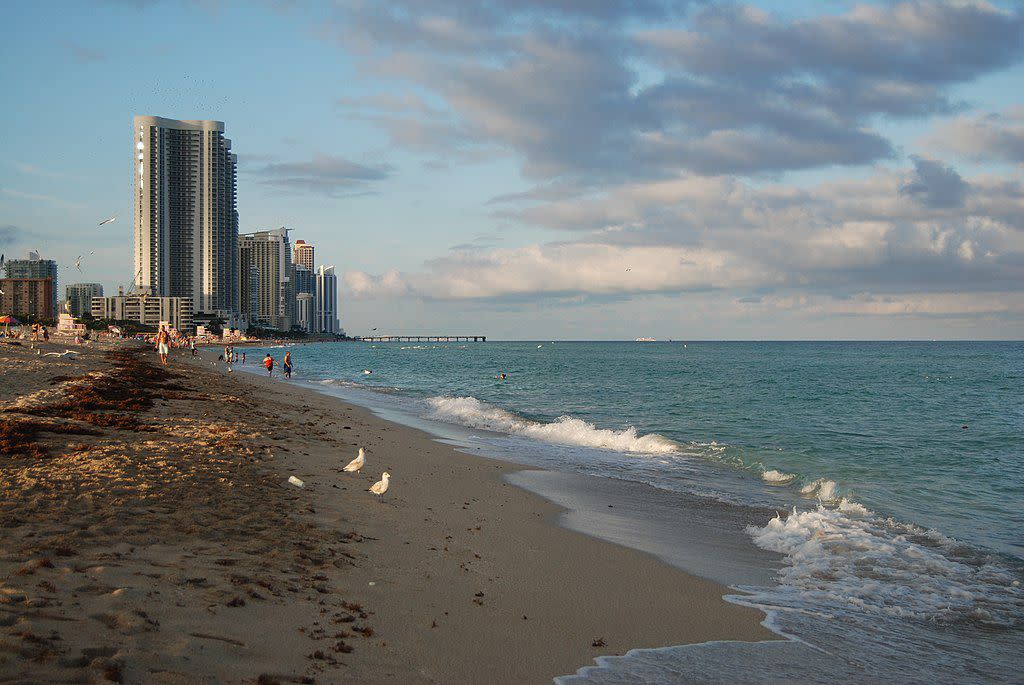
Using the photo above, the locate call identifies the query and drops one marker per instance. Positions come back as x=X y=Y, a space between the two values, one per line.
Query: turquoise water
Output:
x=903 y=465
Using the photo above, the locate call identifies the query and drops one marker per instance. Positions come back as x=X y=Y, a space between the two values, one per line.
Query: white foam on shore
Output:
x=565 y=430
x=868 y=565
x=773 y=477
x=823 y=489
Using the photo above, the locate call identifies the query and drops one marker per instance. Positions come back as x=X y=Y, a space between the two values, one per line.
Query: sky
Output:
x=563 y=169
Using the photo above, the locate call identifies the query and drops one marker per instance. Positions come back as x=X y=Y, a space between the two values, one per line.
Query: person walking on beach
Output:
x=192 y=345
x=243 y=357
x=162 y=340
x=268 y=362
x=288 y=364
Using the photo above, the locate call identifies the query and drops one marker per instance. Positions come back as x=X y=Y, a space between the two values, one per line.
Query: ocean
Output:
x=900 y=465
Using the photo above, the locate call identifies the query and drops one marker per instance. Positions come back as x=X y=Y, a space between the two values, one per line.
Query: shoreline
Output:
x=441 y=574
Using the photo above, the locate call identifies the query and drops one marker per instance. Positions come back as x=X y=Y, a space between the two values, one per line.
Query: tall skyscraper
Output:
x=305 y=280
x=186 y=219
x=269 y=253
x=303 y=254
x=79 y=296
x=34 y=266
x=326 y=300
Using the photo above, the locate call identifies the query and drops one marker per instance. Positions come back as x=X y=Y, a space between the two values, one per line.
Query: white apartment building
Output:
x=326 y=300
x=186 y=219
x=305 y=312
x=145 y=309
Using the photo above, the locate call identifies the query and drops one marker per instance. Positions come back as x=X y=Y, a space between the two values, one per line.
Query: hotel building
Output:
x=34 y=267
x=303 y=254
x=145 y=309
x=269 y=253
x=29 y=298
x=186 y=219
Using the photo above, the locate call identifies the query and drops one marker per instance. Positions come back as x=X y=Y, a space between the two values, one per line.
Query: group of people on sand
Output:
x=163 y=343
x=286 y=365
x=230 y=356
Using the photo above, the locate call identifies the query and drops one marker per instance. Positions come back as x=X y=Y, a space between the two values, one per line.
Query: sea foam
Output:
x=823 y=489
x=773 y=477
x=865 y=564
x=565 y=430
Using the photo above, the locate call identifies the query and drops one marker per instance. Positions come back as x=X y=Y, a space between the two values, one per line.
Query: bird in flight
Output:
x=78 y=263
x=110 y=220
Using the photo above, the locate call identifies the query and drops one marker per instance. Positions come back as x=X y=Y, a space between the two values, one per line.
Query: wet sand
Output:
x=150 y=535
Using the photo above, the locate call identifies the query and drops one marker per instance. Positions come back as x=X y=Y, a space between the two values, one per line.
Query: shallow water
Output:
x=903 y=549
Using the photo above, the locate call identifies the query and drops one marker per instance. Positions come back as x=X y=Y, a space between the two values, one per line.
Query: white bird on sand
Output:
x=381 y=486
x=357 y=463
x=110 y=220
x=65 y=353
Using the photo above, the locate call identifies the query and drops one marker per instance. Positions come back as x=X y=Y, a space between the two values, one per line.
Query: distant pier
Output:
x=421 y=338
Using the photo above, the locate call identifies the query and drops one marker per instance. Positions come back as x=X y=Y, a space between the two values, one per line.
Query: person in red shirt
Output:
x=268 y=362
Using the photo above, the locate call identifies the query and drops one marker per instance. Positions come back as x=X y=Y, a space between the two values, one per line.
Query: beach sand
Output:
x=149 y=534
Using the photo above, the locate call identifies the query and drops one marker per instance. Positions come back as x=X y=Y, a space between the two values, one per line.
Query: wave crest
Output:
x=773 y=477
x=866 y=564
x=823 y=488
x=565 y=430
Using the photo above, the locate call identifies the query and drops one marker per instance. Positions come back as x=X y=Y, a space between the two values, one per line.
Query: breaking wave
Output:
x=823 y=489
x=565 y=430
x=773 y=477
x=875 y=566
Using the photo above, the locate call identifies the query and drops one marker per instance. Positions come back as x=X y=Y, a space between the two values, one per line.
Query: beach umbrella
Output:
x=7 y=320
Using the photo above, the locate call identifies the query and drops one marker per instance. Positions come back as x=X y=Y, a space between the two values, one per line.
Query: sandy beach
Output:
x=150 y=535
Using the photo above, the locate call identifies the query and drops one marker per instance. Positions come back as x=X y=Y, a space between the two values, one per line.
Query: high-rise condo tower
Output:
x=186 y=218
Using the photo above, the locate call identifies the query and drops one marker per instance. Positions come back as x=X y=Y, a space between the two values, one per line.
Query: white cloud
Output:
x=561 y=269
x=985 y=137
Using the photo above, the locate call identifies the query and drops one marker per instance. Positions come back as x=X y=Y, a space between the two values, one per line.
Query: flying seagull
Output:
x=381 y=486
x=357 y=463
x=109 y=221
x=78 y=262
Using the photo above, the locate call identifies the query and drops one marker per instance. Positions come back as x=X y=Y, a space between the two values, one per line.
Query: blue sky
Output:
x=563 y=169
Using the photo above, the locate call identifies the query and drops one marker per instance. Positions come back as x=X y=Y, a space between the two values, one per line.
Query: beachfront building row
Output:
x=145 y=309
x=186 y=218
x=280 y=290
x=33 y=267
x=79 y=297
x=187 y=243
x=264 y=259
